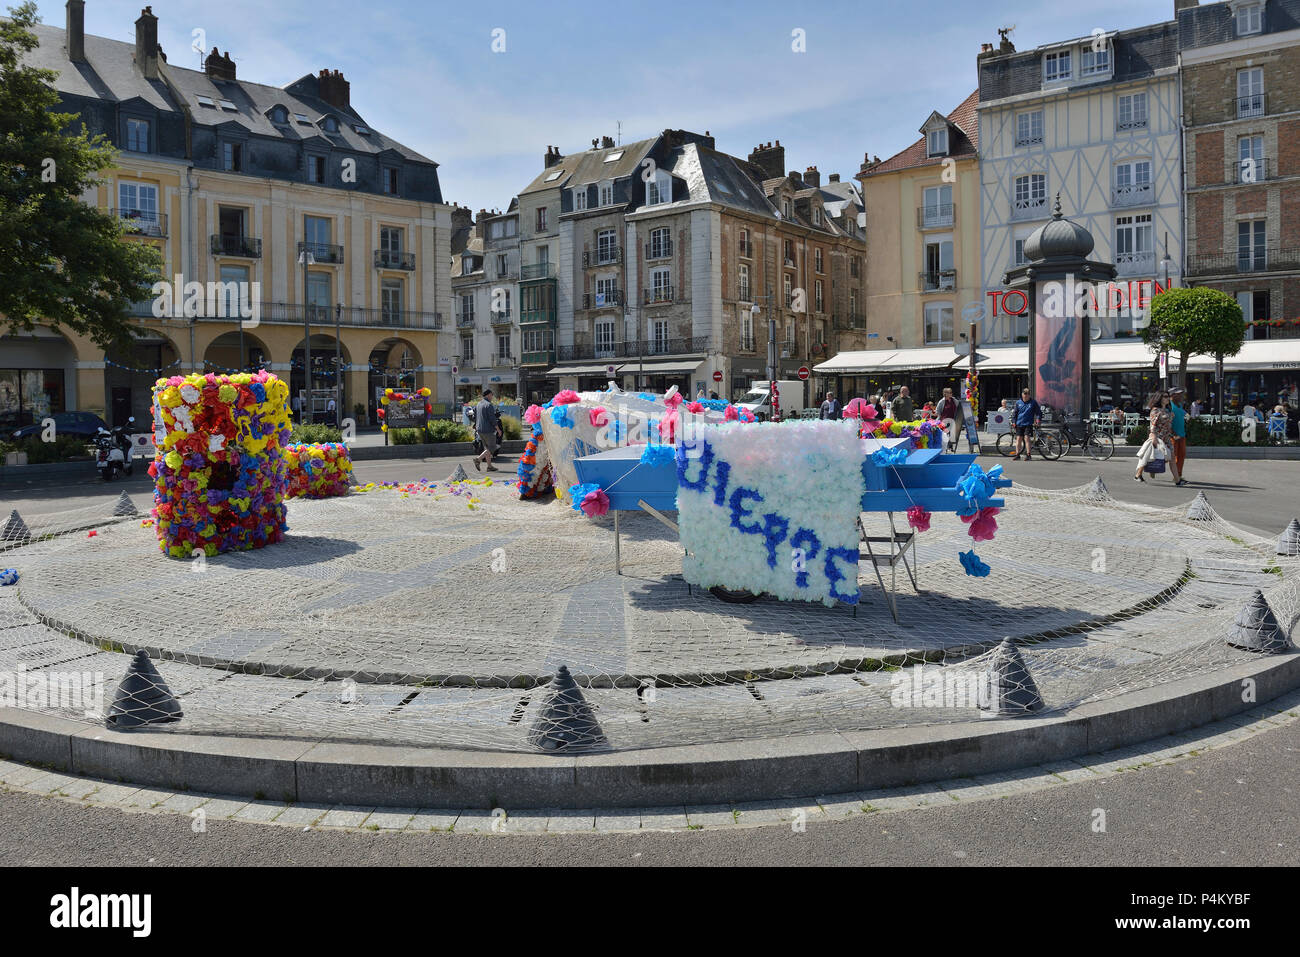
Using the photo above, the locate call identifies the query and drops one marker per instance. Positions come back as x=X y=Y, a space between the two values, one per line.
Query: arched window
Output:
x=279 y=115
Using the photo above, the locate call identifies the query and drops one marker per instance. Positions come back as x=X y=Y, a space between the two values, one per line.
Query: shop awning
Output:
x=652 y=367
x=1110 y=356
x=885 y=360
x=1000 y=358
x=1256 y=355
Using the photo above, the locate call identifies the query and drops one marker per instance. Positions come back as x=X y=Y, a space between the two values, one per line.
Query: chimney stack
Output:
x=146 y=43
x=219 y=67
x=606 y=142
x=833 y=178
x=553 y=156
x=1180 y=5
x=812 y=178
x=795 y=178
x=335 y=90
x=77 y=31
x=770 y=159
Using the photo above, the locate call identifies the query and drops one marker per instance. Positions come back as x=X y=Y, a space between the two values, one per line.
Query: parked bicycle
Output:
x=1095 y=443
x=1045 y=442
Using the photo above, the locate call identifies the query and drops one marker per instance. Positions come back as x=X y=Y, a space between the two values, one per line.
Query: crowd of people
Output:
x=899 y=406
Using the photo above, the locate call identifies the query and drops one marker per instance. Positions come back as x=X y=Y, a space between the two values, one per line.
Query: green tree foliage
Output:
x=1195 y=321
x=63 y=263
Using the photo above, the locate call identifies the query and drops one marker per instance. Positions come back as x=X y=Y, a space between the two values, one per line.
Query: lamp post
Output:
x=771 y=352
x=338 y=363
x=306 y=259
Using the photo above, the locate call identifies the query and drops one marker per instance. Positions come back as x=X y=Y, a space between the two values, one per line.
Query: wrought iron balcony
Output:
x=536 y=271
x=603 y=257
x=1135 y=123
x=1033 y=139
x=1267 y=258
x=936 y=216
x=658 y=294
x=240 y=246
x=659 y=250
x=391 y=259
x=1252 y=105
x=1035 y=208
x=1135 y=264
x=634 y=349
x=600 y=300
x=322 y=253
x=501 y=317
x=287 y=312
x=464 y=320
x=142 y=222
x=1133 y=194
x=1252 y=170
x=942 y=279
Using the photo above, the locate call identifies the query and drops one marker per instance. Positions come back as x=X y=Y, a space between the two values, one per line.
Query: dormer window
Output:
x=659 y=190
x=1094 y=62
x=329 y=124
x=279 y=115
x=1250 y=18
x=580 y=198
x=1056 y=66
x=936 y=142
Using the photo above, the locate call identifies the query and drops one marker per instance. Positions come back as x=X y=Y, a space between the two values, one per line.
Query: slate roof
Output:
x=110 y=73
x=963 y=141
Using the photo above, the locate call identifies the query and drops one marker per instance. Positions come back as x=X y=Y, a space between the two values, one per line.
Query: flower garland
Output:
x=588 y=498
x=925 y=434
x=392 y=395
x=977 y=487
x=534 y=461
x=219 y=473
x=317 y=471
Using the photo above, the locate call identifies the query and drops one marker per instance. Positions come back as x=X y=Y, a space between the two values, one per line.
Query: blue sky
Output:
x=426 y=74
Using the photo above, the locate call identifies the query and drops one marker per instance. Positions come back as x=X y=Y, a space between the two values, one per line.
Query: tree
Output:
x=63 y=263
x=1193 y=321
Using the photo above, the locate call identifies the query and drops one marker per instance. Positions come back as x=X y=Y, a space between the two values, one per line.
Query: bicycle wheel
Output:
x=1006 y=442
x=1100 y=446
x=1050 y=445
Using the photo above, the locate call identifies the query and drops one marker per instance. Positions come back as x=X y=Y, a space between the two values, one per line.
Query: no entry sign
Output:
x=717 y=376
x=803 y=373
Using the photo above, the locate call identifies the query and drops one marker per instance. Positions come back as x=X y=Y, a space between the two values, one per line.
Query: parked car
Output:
x=85 y=424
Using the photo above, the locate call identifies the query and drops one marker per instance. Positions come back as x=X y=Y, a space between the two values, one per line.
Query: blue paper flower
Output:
x=977 y=487
x=971 y=562
x=560 y=416
x=647 y=396
x=658 y=455
x=891 y=456
x=714 y=405
x=8 y=576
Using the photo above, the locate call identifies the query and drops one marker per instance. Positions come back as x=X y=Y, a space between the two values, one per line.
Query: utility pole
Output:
x=307 y=259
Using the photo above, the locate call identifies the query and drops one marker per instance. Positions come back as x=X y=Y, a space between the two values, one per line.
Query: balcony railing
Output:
x=1252 y=105
x=940 y=279
x=1252 y=170
x=390 y=259
x=658 y=294
x=142 y=222
x=1033 y=139
x=536 y=271
x=1035 y=208
x=287 y=312
x=464 y=320
x=934 y=217
x=538 y=357
x=659 y=250
x=1132 y=194
x=634 y=349
x=501 y=317
x=603 y=257
x=1135 y=264
x=600 y=300
x=1268 y=258
x=1134 y=123
x=241 y=246
x=323 y=253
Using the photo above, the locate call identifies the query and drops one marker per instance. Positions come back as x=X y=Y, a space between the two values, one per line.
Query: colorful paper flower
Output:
x=317 y=471
x=595 y=503
x=8 y=576
x=730 y=413
x=562 y=417
x=533 y=414
x=566 y=397
x=982 y=524
x=578 y=493
x=655 y=455
x=695 y=408
x=597 y=417
x=896 y=455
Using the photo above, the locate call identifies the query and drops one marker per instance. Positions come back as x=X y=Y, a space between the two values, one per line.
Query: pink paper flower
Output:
x=918 y=518
x=694 y=408
x=730 y=414
x=668 y=427
x=673 y=400
x=982 y=524
x=598 y=417
x=533 y=414
x=595 y=503
x=746 y=415
x=566 y=397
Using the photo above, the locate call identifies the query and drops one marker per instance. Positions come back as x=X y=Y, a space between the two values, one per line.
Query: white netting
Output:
x=436 y=614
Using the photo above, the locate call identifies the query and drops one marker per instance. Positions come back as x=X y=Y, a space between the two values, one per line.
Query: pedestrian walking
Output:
x=1177 y=396
x=1026 y=416
x=1160 y=441
x=949 y=415
x=830 y=408
x=487 y=423
x=903 y=409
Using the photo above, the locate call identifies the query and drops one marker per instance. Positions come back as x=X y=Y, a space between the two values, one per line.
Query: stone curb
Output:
x=303 y=771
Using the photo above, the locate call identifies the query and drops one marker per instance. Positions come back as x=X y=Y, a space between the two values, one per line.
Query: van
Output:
x=790 y=396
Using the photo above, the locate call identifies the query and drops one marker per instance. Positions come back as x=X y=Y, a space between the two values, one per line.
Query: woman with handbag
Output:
x=1156 y=453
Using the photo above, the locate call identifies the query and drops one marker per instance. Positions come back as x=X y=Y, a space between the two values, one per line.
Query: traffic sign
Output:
x=803 y=373
x=454 y=370
x=717 y=376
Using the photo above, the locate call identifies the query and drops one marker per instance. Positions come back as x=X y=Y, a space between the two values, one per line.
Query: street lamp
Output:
x=771 y=351
x=305 y=258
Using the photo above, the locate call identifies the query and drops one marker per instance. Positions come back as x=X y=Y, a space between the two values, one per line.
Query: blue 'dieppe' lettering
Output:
x=811 y=545
x=738 y=510
x=833 y=575
x=775 y=528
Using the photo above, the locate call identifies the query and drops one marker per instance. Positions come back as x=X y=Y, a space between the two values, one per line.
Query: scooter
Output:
x=114 y=451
